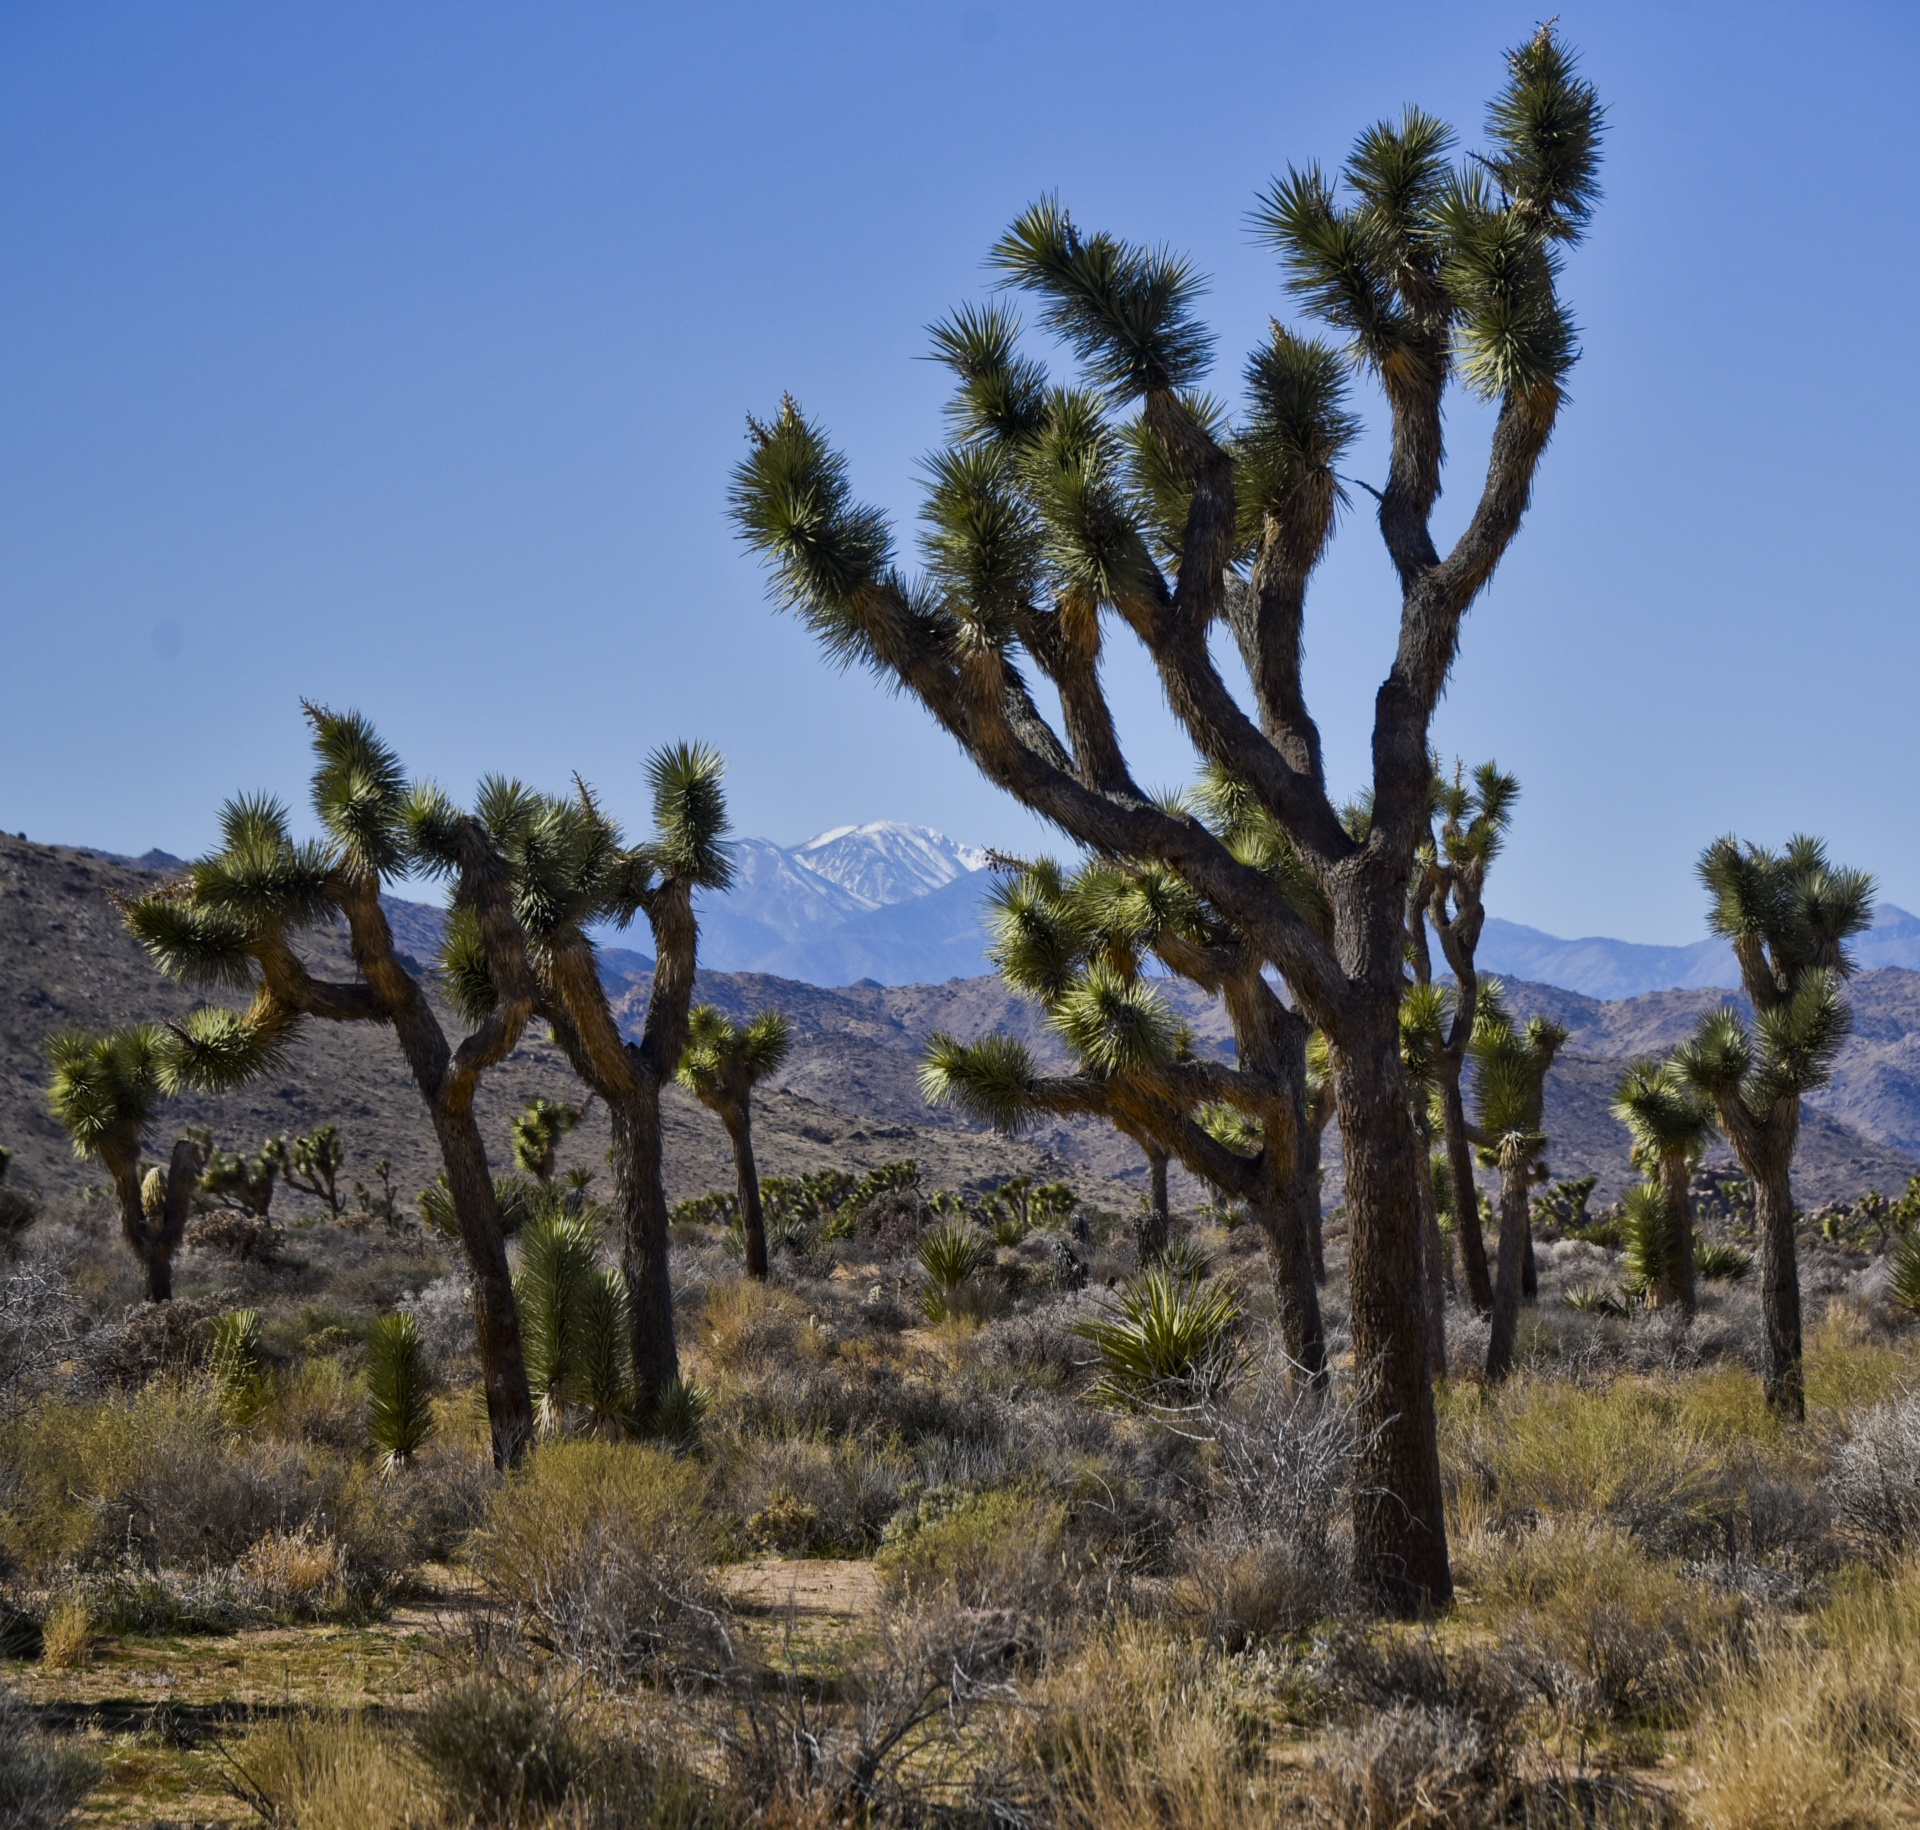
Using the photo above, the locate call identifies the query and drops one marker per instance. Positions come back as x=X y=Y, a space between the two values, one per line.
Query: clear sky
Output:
x=397 y=354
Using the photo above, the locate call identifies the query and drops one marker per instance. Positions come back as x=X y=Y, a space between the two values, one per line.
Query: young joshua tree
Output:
x=1671 y=1121
x=1789 y=915
x=722 y=1063
x=106 y=1091
x=231 y=924
x=1057 y=511
x=1510 y=1080
x=570 y=869
x=1076 y=945
x=1450 y=875
x=537 y=1133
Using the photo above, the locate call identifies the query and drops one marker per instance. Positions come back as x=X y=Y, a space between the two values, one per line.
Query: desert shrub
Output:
x=38 y=1320
x=152 y=1339
x=744 y=1326
x=1817 y=1730
x=1003 y=1549
x=336 y=1772
x=1270 y=1558
x=319 y=1400
x=242 y=1238
x=306 y=1574
x=808 y=1495
x=1629 y=1455
x=600 y=1549
x=1167 y=1340
x=1133 y=1730
x=42 y=1781
x=1875 y=1479
x=1851 y=1366
x=239 y=1367
x=1604 y=1632
x=128 y=1597
x=1412 y=1767
x=498 y=1749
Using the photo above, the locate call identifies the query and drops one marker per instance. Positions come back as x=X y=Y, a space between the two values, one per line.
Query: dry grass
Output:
x=335 y=1772
x=66 y=1636
x=1819 y=1729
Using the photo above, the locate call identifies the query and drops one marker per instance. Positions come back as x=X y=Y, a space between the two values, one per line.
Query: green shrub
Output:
x=1647 y=1237
x=1003 y=1548
x=1168 y=1340
x=1906 y=1271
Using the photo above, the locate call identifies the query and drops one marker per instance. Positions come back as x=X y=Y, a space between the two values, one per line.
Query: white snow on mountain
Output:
x=884 y=901
x=885 y=862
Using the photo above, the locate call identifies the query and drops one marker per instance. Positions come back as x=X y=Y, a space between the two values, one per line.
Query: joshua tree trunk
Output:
x=1306 y=1199
x=1466 y=1192
x=154 y=1238
x=1674 y=1176
x=1434 y=1247
x=448 y=1080
x=1399 y=1519
x=1529 y=1270
x=1156 y=1220
x=1514 y=1182
x=738 y=1119
x=1772 y=1175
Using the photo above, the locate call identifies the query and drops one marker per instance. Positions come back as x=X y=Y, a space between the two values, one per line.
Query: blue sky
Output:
x=397 y=355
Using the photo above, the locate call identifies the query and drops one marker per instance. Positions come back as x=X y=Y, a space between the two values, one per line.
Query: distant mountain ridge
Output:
x=1603 y=968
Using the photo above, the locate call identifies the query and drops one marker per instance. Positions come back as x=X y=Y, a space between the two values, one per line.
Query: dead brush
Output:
x=912 y=1731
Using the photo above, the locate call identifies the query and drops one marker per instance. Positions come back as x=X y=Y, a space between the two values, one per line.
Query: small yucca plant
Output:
x=1168 y=1340
x=605 y=1348
x=239 y=1367
x=559 y=1264
x=1646 y=1233
x=1726 y=1262
x=677 y=1412
x=1593 y=1299
x=399 y=1390
x=951 y=1254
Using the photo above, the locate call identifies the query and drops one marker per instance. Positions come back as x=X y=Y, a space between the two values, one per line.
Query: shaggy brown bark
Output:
x=155 y=1237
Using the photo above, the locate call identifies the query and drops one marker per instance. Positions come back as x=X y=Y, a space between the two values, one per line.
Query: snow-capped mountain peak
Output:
x=888 y=861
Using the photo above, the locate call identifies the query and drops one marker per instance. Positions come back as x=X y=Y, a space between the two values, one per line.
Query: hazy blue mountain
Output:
x=1625 y=969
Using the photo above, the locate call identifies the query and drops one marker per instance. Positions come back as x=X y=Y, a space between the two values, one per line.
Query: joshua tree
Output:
x=106 y=1091
x=1450 y=874
x=1426 y=1014
x=537 y=1133
x=231 y=921
x=244 y=1184
x=1789 y=915
x=1056 y=509
x=1671 y=1121
x=1510 y=1078
x=313 y=1162
x=722 y=1063
x=570 y=869
x=1076 y=945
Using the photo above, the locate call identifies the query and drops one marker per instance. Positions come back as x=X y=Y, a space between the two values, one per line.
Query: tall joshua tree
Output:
x=1789 y=915
x=230 y=923
x=570 y=869
x=1510 y=1076
x=1450 y=875
x=1076 y=946
x=1671 y=1121
x=722 y=1063
x=1055 y=509
x=106 y=1092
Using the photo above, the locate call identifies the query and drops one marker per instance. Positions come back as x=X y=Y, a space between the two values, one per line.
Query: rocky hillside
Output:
x=849 y=1094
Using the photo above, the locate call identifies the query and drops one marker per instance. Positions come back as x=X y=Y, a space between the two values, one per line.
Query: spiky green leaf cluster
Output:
x=993 y=1079
x=720 y=1052
x=559 y=1263
x=360 y=793
x=1665 y=1113
x=1168 y=1341
x=399 y=1390
x=1510 y=1069
x=106 y=1088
